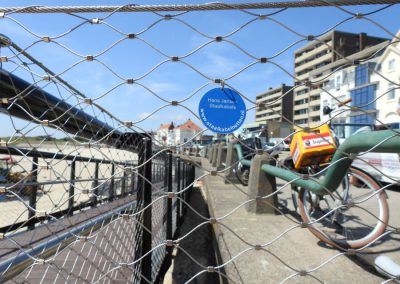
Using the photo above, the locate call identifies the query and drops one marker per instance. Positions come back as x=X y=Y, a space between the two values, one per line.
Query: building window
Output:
x=302 y=92
x=351 y=77
x=338 y=82
x=338 y=124
x=301 y=111
x=345 y=77
x=363 y=120
x=364 y=98
x=300 y=121
x=300 y=102
x=391 y=64
x=315 y=108
x=361 y=75
x=391 y=91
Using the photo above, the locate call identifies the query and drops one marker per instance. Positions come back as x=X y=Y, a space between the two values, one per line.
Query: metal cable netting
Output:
x=91 y=193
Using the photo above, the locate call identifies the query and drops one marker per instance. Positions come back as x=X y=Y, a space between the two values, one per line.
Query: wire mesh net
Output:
x=93 y=189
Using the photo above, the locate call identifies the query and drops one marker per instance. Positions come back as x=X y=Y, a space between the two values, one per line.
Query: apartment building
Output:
x=275 y=105
x=360 y=82
x=326 y=49
x=388 y=102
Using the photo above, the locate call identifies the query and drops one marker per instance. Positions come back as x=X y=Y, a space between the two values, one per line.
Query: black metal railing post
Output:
x=178 y=188
x=133 y=180
x=123 y=183
x=146 y=194
x=71 y=191
x=33 y=193
x=156 y=178
x=156 y=172
x=166 y=166
x=169 y=199
x=189 y=189
x=168 y=224
x=95 y=185
x=184 y=177
x=192 y=175
x=111 y=188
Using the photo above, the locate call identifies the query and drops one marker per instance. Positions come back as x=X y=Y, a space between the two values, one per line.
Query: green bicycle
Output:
x=351 y=222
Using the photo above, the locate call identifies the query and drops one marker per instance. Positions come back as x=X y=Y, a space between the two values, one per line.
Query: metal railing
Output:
x=112 y=187
x=126 y=187
x=96 y=198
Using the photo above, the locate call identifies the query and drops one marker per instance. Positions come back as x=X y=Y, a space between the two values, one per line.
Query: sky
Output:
x=133 y=58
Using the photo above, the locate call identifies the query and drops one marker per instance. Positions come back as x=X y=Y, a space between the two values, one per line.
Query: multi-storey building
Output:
x=388 y=102
x=373 y=85
x=275 y=105
x=322 y=51
x=359 y=82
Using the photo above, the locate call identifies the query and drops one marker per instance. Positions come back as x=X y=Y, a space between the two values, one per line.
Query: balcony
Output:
x=313 y=52
x=300 y=116
x=311 y=64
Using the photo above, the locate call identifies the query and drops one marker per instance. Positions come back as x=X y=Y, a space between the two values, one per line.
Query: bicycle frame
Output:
x=383 y=141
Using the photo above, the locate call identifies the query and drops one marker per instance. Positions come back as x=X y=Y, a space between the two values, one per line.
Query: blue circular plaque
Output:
x=222 y=110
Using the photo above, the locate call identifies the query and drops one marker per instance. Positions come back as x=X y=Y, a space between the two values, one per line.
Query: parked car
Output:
x=384 y=167
x=268 y=145
x=279 y=144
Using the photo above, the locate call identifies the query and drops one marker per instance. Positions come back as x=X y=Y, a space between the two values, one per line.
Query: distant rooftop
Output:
x=328 y=35
x=188 y=125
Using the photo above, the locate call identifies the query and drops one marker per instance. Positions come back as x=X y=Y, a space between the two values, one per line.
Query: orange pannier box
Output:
x=312 y=148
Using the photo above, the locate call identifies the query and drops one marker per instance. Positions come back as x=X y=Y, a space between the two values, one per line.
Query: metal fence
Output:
x=89 y=191
x=84 y=195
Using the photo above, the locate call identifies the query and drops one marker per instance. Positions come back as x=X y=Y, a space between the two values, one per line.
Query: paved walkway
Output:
x=297 y=250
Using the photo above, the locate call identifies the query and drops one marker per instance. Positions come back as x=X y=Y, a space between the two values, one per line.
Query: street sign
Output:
x=222 y=110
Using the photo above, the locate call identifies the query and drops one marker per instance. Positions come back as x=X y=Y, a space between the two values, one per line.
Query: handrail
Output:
x=29 y=182
x=11 y=266
x=22 y=95
x=76 y=180
x=383 y=141
x=16 y=151
x=14 y=88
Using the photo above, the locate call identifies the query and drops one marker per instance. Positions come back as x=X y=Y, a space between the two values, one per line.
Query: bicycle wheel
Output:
x=242 y=173
x=342 y=190
x=353 y=222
